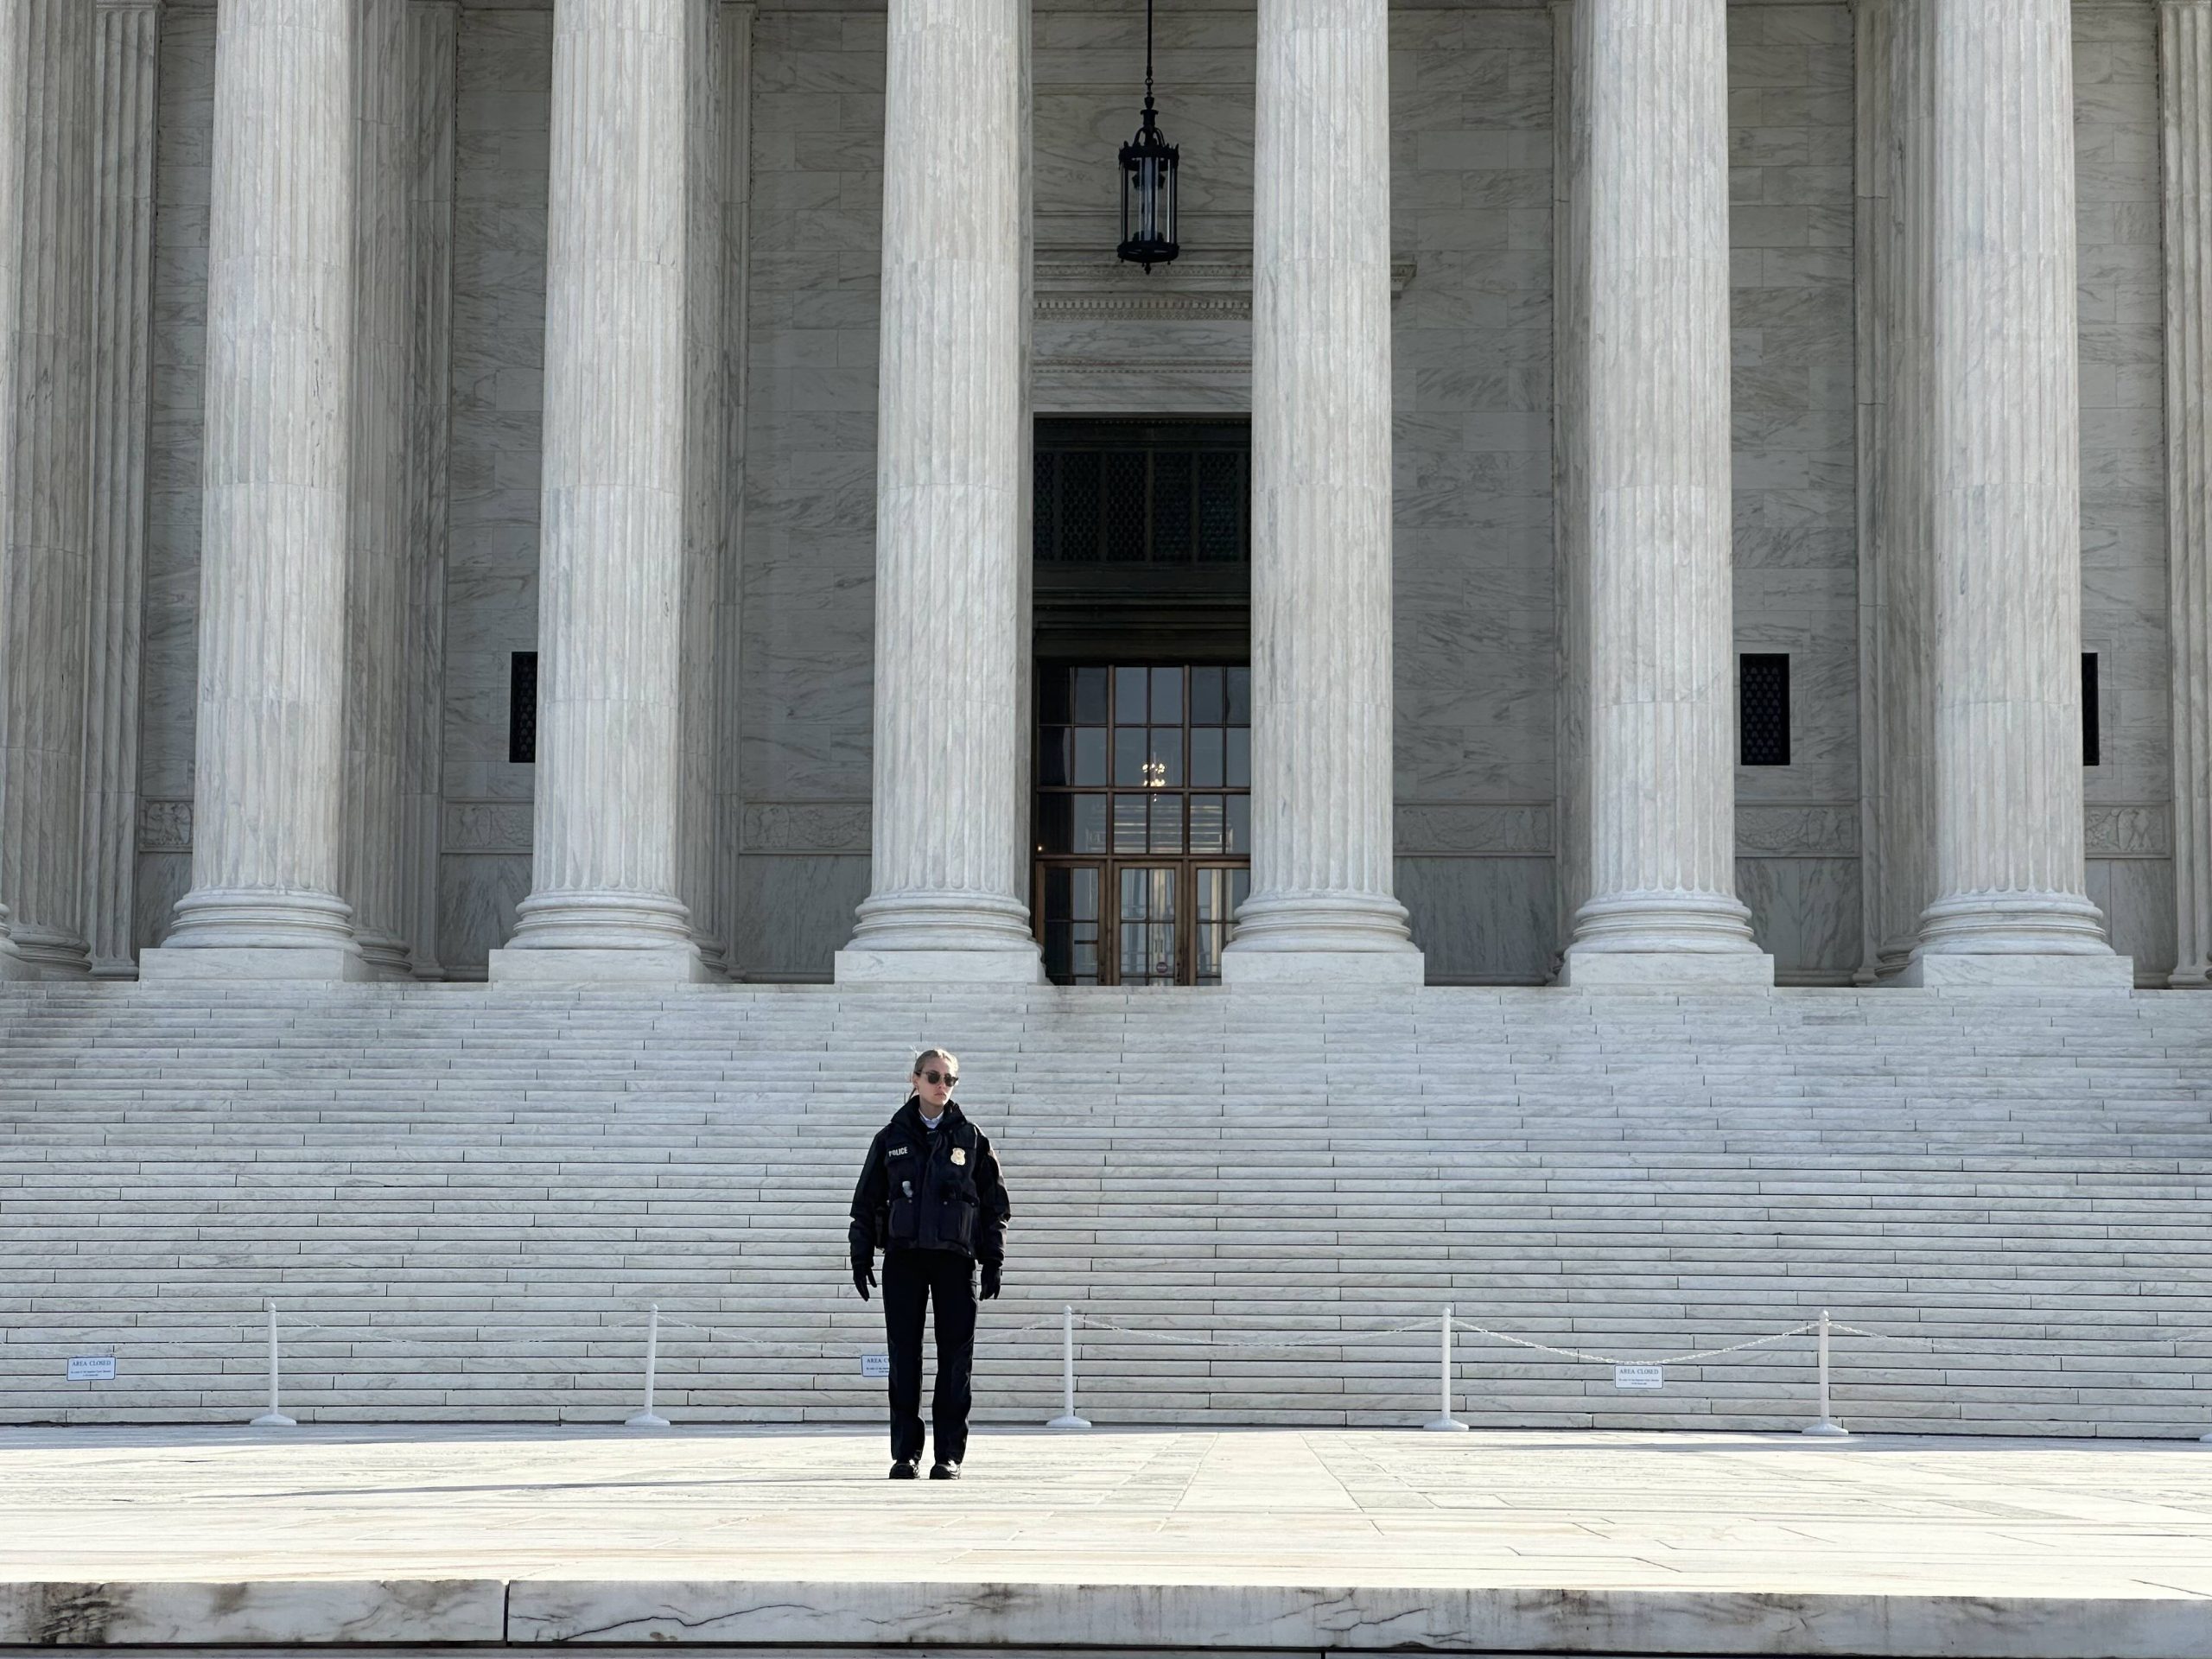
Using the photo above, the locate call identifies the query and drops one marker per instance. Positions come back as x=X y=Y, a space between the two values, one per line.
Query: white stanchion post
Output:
x=1447 y=1423
x=1827 y=1428
x=648 y=1418
x=274 y=1417
x=1067 y=1419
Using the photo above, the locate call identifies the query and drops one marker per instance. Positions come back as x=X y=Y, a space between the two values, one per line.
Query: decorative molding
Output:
x=1078 y=285
x=478 y=827
x=165 y=826
x=1446 y=830
x=807 y=827
x=1829 y=830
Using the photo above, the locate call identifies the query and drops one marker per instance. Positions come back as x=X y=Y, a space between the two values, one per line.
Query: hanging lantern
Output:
x=1148 y=163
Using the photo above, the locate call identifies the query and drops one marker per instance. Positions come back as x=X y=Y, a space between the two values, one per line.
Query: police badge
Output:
x=959 y=1155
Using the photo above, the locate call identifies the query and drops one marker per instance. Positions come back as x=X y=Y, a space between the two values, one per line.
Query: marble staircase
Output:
x=463 y=1197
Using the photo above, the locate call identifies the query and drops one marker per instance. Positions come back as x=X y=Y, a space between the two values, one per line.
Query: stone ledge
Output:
x=873 y=1617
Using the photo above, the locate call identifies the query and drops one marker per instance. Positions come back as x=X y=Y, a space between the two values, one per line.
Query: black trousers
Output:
x=912 y=1279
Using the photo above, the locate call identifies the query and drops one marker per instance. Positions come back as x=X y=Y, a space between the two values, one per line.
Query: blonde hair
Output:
x=944 y=1057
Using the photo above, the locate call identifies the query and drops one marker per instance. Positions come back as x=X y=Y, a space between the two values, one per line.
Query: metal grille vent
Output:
x=1763 y=681
x=522 y=709
x=2092 y=747
x=1142 y=492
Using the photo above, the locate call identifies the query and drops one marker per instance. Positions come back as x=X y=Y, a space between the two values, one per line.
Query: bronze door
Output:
x=1143 y=820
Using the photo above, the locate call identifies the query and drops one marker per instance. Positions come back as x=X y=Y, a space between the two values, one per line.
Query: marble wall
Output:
x=1471 y=189
x=2124 y=608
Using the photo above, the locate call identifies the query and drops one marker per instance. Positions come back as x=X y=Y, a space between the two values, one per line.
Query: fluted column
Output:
x=738 y=17
x=270 y=757
x=127 y=52
x=1322 y=698
x=1662 y=723
x=433 y=43
x=2185 y=80
x=1998 y=408
x=377 y=608
x=12 y=965
x=611 y=570
x=45 y=558
x=949 y=883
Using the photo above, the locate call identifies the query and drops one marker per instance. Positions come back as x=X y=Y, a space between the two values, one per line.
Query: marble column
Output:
x=607 y=861
x=433 y=43
x=376 y=609
x=127 y=50
x=1660 y=637
x=45 y=556
x=949 y=883
x=270 y=770
x=1997 y=413
x=707 y=481
x=12 y=965
x=2185 y=80
x=1896 y=714
x=738 y=17
x=1570 y=492
x=1322 y=908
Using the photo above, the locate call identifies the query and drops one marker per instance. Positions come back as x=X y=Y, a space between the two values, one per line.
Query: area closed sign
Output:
x=92 y=1368
x=1639 y=1377
x=875 y=1365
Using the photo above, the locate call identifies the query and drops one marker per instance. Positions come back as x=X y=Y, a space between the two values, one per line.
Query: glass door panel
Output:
x=1072 y=937
x=1147 y=918
x=1221 y=889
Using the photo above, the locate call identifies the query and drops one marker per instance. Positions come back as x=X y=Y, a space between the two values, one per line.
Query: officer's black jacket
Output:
x=940 y=1192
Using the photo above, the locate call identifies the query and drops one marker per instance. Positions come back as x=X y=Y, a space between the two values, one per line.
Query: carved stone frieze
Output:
x=1819 y=832
x=2129 y=831
x=488 y=827
x=1443 y=830
x=165 y=826
x=806 y=827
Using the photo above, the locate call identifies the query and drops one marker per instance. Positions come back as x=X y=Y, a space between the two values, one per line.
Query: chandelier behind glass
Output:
x=1148 y=163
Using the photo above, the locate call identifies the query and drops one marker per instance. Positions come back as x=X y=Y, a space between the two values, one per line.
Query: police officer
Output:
x=931 y=1199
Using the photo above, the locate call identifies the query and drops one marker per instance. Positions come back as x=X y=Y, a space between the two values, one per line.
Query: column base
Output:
x=299 y=963
x=1961 y=971
x=1404 y=970
x=2189 y=979
x=677 y=965
x=14 y=971
x=50 y=954
x=387 y=957
x=1667 y=971
x=856 y=965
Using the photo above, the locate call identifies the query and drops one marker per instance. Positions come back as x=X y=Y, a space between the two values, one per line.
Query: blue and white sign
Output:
x=1639 y=1377
x=92 y=1368
x=877 y=1365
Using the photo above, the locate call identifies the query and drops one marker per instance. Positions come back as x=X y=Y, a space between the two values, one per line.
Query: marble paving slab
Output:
x=1260 y=1540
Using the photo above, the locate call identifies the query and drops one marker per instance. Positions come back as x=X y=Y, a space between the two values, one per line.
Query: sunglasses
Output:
x=948 y=1079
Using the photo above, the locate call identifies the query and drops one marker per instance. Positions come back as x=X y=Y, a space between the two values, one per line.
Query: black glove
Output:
x=990 y=1279
x=863 y=1273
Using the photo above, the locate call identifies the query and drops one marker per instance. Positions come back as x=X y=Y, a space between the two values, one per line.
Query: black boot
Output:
x=904 y=1469
x=943 y=1470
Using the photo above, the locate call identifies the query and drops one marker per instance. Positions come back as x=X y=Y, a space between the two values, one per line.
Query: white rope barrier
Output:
x=655 y=1322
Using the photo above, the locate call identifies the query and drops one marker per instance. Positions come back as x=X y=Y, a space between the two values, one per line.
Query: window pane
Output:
x=1207 y=823
x=1058 y=889
x=1167 y=696
x=1132 y=748
x=1240 y=697
x=1206 y=694
x=1052 y=833
x=1168 y=823
x=1059 y=952
x=1053 y=756
x=1166 y=757
x=1238 y=767
x=1083 y=904
x=1205 y=757
x=1239 y=838
x=1128 y=696
x=1090 y=697
x=1132 y=823
x=1055 y=705
x=1089 y=771
x=1087 y=831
